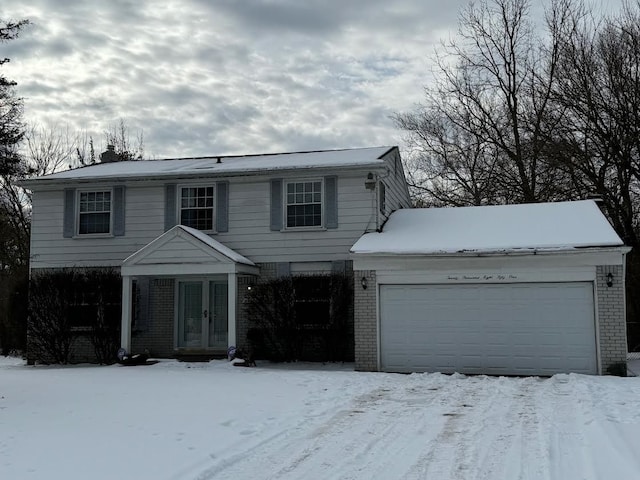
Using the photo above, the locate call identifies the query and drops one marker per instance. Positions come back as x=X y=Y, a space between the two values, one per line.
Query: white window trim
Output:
x=179 y=203
x=77 y=213
x=323 y=204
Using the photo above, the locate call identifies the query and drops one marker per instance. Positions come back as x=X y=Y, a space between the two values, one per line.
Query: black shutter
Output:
x=118 y=210
x=276 y=204
x=69 y=221
x=331 y=202
x=222 y=207
x=169 y=206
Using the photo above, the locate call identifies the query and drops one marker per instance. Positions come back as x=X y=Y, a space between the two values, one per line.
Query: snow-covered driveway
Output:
x=213 y=421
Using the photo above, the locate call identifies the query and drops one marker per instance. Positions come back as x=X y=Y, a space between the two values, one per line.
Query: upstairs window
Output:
x=196 y=207
x=94 y=212
x=304 y=204
x=383 y=198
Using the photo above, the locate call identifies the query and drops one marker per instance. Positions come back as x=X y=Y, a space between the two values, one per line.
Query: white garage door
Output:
x=506 y=329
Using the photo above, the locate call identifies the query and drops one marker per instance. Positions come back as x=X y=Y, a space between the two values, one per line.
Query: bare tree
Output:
x=119 y=136
x=484 y=128
x=50 y=149
x=598 y=89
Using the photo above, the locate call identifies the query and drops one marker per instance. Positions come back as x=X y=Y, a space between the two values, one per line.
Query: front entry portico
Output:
x=204 y=273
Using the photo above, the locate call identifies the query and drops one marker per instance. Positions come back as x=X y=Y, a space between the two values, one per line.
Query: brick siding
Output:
x=611 y=317
x=242 y=318
x=158 y=336
x=365 y=322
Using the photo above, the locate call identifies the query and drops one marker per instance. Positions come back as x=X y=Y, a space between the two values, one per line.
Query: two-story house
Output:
x=508 y=290
x=190 y=236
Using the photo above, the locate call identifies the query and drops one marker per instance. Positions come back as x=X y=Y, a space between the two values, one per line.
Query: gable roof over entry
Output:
x=186 y=251
x=498 y=229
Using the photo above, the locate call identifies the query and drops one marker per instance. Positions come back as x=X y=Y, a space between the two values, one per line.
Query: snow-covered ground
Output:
x=213 y=421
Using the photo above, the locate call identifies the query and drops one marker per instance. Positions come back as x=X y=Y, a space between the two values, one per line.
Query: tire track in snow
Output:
x=375 y=435
x=436 y=427
x=475 y=438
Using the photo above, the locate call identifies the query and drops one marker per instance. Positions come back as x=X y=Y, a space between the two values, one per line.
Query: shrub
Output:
x=306 y=317
x=13 y=311
x=104 y=289
x=64 y=304
x=49 y=324
x=271 y=307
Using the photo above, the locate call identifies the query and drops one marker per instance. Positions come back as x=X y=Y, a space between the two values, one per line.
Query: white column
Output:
x=125 y=333
x=232 y=289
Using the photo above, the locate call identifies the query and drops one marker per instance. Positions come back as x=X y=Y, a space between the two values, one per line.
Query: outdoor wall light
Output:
x=370 y=182
x=364 y=283
x=609 y=279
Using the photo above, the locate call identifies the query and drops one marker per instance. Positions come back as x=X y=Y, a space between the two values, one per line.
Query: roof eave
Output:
x=141 y=177
x=622 y=249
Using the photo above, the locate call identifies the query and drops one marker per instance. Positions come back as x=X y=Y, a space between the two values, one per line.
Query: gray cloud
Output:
x=225 y=77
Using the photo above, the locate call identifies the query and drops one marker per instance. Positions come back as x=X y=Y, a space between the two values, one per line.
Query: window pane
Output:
x=196 y=207
x=304 y=208
x=94 y=223
x=95 y=212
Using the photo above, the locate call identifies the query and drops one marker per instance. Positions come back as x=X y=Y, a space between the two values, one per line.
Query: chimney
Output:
x=109 y=155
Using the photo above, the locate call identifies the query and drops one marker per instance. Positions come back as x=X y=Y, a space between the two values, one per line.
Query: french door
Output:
x=203 y=320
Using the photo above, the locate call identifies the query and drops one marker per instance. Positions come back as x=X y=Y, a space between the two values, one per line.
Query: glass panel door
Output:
x=218 y=318
x=190 y=314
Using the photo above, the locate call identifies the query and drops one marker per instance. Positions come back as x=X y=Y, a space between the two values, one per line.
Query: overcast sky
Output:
x=207 y=77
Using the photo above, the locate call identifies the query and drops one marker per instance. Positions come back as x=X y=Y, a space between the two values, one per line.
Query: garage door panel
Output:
x=520 y=329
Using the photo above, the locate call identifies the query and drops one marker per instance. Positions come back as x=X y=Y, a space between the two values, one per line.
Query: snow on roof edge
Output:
x=492 y=230
x=337 y=158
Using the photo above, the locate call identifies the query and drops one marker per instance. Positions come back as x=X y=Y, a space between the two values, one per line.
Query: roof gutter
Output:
x=622 y=249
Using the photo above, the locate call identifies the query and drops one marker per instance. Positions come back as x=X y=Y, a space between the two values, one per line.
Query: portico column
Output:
x=125 y=329
x=232 y=289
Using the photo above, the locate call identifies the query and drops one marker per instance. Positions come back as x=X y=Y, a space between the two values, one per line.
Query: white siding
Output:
x=396 y=190
x=249 y=225
x=144 y=221
x=178 y=250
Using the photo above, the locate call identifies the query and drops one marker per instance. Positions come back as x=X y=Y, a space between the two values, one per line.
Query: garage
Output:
x=512 y=329
x=534 y=289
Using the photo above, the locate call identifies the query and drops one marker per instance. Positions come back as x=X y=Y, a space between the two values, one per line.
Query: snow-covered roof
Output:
x=491 y=229
x=222 y=165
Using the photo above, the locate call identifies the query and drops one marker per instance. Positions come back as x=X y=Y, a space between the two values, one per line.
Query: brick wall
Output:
x=365 y=324
x=158 y=336
x=611 y=317
x=82 y=350
x=242 y=319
